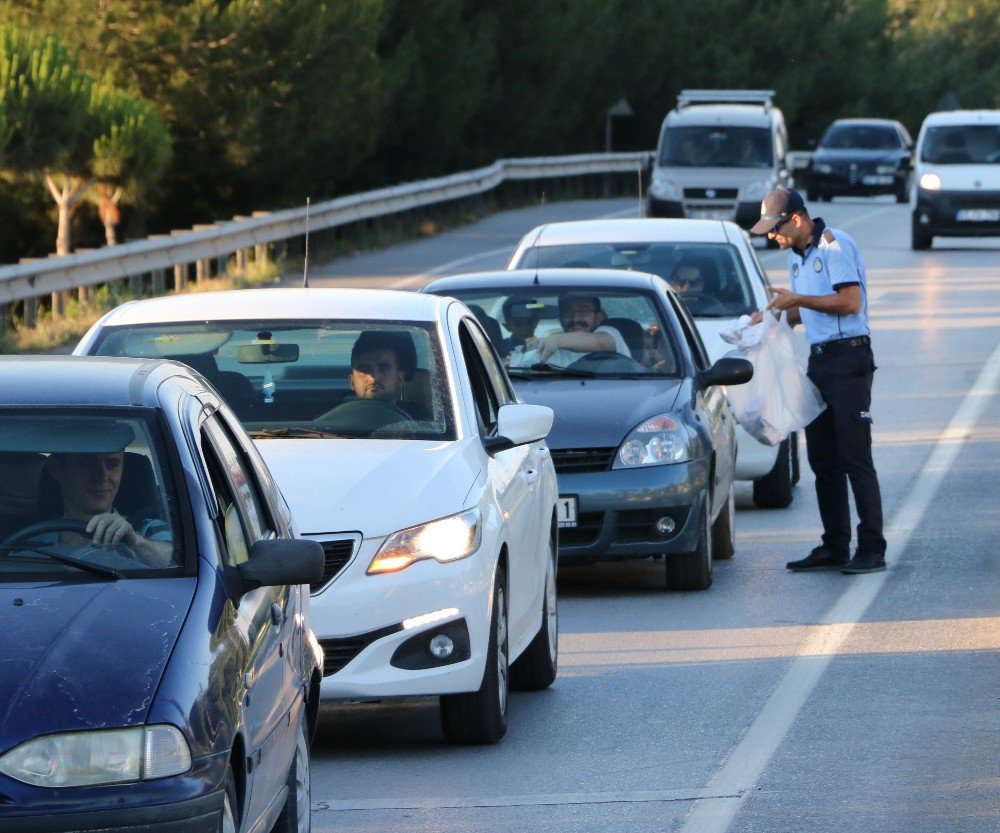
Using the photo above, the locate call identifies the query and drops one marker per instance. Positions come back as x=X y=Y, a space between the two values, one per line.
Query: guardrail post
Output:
x=180 y=276
x=30 y=313
x=4 y=317
x=159 y=282
x=58 y=304
x=200 y=270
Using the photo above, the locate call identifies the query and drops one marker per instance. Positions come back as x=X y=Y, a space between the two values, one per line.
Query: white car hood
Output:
x=371 y=486
x=967 y=177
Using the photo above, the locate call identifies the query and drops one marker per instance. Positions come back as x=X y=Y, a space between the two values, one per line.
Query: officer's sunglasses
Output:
x=782 y=219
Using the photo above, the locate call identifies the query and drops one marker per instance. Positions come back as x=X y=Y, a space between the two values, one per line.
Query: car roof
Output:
x=83 y=380
x=964 y=117
x=554 y=278
x=872 y=122
x=746 y=115
x=278 y=304
x=640 y=230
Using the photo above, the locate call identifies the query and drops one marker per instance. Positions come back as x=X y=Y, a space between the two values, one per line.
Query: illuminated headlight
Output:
x=112 y=756
x=886 y=169
x=823 y=168
x=757 y=190
x=658 y=441
x=664 y=188
x=447 y=539
x=930 y=182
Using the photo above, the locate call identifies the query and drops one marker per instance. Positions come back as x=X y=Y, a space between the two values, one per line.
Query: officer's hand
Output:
x=109 y=528
x=783 y=298
x=756 y=317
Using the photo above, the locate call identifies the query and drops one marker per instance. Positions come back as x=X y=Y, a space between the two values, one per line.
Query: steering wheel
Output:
x=363 y=416
x=703 y=302
x=43 y=527
x=608 y=361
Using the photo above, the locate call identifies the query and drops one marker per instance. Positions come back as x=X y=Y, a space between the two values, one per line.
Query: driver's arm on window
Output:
x=577 y=342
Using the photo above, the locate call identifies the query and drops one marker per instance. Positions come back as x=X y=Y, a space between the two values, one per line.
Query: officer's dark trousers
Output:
x=839 y=443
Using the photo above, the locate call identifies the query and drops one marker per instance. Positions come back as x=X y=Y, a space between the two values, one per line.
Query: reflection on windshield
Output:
x=962 y=144
x=717 y=146
x=311 y=379
x=83 y=492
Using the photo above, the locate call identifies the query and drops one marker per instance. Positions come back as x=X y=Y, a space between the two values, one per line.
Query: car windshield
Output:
x=635 y=341
x=717 y=146
x=962 y=144
x=84 y=494
x=311 y=379
x=710 y=277
x=860 y=137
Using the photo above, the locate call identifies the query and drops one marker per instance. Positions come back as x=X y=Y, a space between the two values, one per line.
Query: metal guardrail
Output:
x=157 y=254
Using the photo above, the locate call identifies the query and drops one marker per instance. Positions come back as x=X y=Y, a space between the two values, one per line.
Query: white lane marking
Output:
x=462 y=261
x=742 y=770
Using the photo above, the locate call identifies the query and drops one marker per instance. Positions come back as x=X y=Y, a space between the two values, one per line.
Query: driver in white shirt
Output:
x=583 y=331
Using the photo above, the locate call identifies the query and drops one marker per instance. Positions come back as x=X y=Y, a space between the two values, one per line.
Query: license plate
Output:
x=709 y=214
x=876 y=179
x=566 y=511
x=978 y=215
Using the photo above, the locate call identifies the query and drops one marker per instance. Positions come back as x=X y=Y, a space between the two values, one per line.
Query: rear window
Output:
x=962 y=144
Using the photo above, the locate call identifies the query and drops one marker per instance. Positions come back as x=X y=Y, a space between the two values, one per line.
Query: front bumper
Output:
x=369 y=653
x=617 y=511
x=858 y=183
x=952 y=213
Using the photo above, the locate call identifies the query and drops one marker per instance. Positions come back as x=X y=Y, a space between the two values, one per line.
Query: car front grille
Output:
x=716 y=193
x=336 y=555
x=578 y=460
x=340 y=651
x=588 y=527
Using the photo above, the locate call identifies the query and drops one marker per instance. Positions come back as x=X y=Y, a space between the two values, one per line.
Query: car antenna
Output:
x=305 y=258
x=536 y=282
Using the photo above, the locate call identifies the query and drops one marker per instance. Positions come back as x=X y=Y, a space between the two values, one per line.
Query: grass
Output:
x=50 y=333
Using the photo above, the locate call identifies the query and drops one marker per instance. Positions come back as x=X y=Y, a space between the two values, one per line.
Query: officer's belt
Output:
x=840 y=344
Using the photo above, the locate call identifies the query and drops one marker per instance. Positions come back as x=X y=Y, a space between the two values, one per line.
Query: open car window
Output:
x=725 y=289
x=311 y=379
x=64 y=470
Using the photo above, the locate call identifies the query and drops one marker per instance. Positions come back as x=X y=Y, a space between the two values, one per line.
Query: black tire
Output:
x=723 y=530
x=774 y=489
x=920 y=239
x=481 y=716
x=230 y=820
x=296 y=815
x=902 y=195
x=693 y=570
x=537 y=667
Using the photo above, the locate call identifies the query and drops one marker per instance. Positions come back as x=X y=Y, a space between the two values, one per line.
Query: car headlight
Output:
x=756 y=190
x=110 y=756
x=664 y=188
x=656 y=442
x=930 y=182
x=447 y=539
x=886 y=169
x=823 y=168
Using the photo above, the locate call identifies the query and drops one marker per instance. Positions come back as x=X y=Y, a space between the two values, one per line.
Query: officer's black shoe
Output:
x=819 y=559
x=864 y=562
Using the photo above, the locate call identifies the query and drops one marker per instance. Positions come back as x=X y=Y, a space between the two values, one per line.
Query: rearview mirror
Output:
x=267 y=353
x=518 y=424
x=277 y=561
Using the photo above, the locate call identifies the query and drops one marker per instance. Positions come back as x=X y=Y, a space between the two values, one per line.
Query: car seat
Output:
x=235 y=388
x=631 y=331
x=489 y=324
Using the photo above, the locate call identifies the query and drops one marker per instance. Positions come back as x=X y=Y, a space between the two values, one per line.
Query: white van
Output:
x=720 y=153
x=956 y=176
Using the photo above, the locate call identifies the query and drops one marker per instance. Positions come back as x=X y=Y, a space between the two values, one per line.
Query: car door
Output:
x=260 y=618
x=512 y=477
x=714 y=408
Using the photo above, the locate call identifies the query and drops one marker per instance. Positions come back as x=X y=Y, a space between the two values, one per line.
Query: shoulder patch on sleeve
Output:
x=828 y=236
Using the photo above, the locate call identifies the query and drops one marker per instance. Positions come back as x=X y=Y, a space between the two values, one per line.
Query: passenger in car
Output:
x=521 y=322
x=688 y=277
x=583 y=331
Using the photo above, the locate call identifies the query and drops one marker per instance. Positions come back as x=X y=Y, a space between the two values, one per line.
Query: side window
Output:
x=491 y=361
x=483 y=394
x=690 y=334
x=236 y=492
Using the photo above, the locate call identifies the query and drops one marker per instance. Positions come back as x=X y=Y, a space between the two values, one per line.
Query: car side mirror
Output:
x=905 y=163
x=519 y=423
x=728 y=370
x=277 y=561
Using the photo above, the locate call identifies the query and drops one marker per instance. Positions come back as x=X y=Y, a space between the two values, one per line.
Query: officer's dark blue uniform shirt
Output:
x=831 y=261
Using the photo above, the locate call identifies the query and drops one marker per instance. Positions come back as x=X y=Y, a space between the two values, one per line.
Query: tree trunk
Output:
x=66 y=197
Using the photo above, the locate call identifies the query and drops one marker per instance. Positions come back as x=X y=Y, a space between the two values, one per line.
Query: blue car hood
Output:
x=85 y=655
x=597 y=413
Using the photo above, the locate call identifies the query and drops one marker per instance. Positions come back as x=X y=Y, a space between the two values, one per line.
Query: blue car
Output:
x=643 y=440
x=157 y=670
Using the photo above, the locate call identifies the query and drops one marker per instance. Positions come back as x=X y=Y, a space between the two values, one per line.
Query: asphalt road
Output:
x=774 y=701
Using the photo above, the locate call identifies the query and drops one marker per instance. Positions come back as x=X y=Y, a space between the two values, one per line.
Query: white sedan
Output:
x=724 y=280
x=394 y=434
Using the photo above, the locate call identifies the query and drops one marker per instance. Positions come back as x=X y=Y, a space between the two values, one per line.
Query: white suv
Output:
x=734 y=284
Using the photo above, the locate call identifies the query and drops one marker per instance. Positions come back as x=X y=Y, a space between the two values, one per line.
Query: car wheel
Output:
x=920 y=239
x=537 y=667
x=229 y=823
x=774 y=489
x=481 y=716
x=693 y=570
x=902 y=194
x=723 y=535
x=296 y=814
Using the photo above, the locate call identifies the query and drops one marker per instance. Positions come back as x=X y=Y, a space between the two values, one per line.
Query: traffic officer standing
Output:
x=829 y=297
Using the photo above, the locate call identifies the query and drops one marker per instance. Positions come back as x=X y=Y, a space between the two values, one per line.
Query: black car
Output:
x=643 y=440
x=861 y=157
x=159 y=673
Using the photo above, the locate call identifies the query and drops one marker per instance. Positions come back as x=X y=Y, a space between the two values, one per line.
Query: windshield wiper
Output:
x=79 y=563
x=296 y=431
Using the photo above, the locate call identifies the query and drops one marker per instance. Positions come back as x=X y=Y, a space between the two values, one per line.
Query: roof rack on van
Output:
x=762 y=97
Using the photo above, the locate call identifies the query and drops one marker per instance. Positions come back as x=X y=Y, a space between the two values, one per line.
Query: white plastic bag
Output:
x=780 y=398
